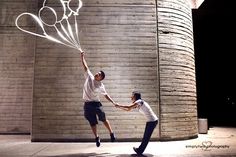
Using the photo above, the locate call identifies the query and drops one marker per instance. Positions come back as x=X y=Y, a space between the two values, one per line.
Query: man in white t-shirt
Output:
x=92 y=105
x=152 y=120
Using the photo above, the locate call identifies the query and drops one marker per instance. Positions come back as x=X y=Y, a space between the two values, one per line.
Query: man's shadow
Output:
x=142 y=155
x=103 y=155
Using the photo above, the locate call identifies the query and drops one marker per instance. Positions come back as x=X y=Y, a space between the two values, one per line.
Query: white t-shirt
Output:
x=92 y=88
x=144 y=108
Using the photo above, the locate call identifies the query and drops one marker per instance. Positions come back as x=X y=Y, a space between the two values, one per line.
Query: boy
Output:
x=152 y=120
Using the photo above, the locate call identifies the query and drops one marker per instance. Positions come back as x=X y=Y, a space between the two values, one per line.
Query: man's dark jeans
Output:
x=150 y=126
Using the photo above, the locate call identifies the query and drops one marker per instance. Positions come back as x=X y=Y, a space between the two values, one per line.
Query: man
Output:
x=92 y=106
x=152 y=120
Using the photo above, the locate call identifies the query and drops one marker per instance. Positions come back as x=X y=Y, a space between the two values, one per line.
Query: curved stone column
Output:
x=178 y=105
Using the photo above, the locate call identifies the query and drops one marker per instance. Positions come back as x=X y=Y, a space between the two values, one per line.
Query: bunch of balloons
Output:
x=62 y=23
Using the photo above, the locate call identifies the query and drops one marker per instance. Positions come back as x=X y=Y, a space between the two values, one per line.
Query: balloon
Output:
x=59 y=6
x=78 y=4
x=48 y=10
x=66 y=33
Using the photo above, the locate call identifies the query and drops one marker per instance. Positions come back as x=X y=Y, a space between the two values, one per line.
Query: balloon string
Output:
x=76 y=30
x=62 y=36
x=71 y=33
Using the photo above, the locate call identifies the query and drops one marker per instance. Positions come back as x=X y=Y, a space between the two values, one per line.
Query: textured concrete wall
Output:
x=178 y=106
x=16 y=68
x=118 y=37
x=136 y=47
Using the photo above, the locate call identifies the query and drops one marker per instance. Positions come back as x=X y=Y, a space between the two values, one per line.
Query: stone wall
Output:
x=178 y=106
x=16 y=67
x=141 y=45
x=119 y=37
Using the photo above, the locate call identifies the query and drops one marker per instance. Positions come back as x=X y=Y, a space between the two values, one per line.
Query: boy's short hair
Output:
x=102 y=74
x=137 y=95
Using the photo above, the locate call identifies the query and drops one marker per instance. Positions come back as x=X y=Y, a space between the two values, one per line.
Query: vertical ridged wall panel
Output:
x=119 y=37
x=178 y=107
x=16 y=67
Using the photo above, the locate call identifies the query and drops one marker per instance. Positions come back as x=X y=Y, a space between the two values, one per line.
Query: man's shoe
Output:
x=113 y=138
x=136 y=151
x=97 y=141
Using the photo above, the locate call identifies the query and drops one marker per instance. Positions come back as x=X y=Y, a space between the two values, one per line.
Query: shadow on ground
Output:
x=99 y=155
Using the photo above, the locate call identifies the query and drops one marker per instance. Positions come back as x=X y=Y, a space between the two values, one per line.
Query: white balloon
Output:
x=53 y=12
x=79 y=3
x=62 y=26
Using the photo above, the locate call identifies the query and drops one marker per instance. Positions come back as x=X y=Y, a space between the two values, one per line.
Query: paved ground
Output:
x=217 y=142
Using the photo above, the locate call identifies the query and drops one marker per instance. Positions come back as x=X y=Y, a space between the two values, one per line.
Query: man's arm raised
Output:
x=84 y=63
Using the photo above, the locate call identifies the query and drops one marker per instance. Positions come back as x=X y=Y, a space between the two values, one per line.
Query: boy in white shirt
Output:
x=92 y=105
x=152 y=120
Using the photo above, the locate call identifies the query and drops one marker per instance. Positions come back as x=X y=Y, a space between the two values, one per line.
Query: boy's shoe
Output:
x=97 y=141
x=113 y=138
x=136 y=151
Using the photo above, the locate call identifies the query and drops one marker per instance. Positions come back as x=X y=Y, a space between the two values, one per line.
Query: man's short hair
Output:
x=102 y=74
x=137 y=95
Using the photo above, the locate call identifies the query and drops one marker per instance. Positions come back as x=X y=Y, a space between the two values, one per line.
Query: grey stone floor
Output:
x=218 y=142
